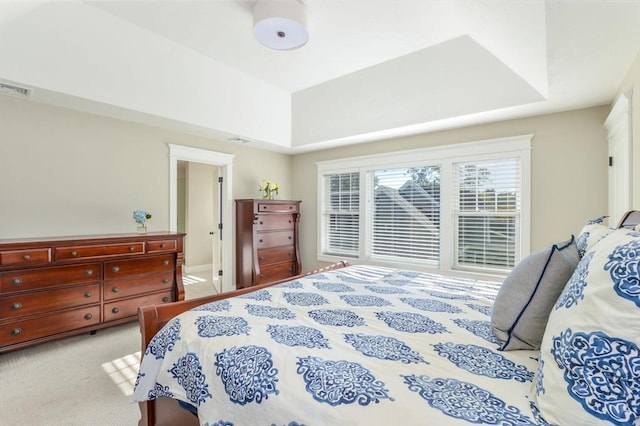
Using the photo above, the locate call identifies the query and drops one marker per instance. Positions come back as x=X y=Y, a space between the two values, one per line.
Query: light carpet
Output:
x=84 y=380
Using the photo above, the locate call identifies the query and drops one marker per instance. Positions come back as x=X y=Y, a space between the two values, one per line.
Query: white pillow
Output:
x=589 y=367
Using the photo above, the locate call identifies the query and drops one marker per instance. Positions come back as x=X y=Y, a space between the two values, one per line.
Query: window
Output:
x=461 y=207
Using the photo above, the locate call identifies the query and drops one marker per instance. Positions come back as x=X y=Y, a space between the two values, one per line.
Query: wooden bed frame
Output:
x=166 y=411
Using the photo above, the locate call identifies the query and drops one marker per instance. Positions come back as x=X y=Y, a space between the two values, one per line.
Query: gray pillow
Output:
x=523 y=304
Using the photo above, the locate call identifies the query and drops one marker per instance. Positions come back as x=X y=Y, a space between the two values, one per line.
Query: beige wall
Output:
x=631 y=84
x=568 y=171
x=64 y=172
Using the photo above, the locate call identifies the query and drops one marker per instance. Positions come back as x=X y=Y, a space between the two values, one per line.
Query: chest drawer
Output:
x=270 y=222
x=93 y=250
x=278 y=207
x=277 y=255
x=58 y=322
x=30 y=279
x=274 y=239
x=33 y=303
x=133 y=286
x=25 y=257
x=129 y=307
x=160 y=246
x=276 y=272
x=122 y=268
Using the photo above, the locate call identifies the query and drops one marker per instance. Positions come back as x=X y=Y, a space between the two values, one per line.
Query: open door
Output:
x=224 y=164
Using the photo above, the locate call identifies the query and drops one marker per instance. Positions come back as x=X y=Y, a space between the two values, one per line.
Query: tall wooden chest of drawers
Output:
x=64 y=286
x=266 y=241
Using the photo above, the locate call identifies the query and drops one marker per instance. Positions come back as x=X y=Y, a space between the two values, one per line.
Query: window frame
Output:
x=444 y=156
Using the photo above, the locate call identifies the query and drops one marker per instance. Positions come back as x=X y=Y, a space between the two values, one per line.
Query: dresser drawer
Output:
x=277 y=255
x=271 y=222
x=25 y=257
x=274 y=239
x=160 y=246
x=30 y=279
x=122 y=268
x=94 y=250
x=277 y=207
x=129 y=307
x=58 y=322
x=37 y=302
x=276 y=272
x=118 y=289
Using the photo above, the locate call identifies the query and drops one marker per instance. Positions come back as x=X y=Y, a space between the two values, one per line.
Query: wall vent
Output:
x=10 y=89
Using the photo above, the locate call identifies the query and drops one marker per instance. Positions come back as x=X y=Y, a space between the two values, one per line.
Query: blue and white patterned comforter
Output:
x=357 y=346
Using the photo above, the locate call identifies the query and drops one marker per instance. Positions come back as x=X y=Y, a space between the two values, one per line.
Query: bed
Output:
x=368 y=345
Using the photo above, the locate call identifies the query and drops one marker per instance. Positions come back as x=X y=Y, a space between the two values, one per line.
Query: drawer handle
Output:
x=291 y=270
x=132 y=248
x=88 y=272
x=88 y=316
x=165 y=280
x=261 y=222
x=162 y=245
x=261 y=275
x=289 y=220
x=16 y=281
x=88 y=294
x=16 y=331
x=290 y=207
x=26 y=257
x=115 y=289
x=74 y=253
x=115 y=310
x=261 y=240
x=165 y=262
x=261 y=258
x=165 y=299
x=115 y=269
x=16 y=306
x=290 y=237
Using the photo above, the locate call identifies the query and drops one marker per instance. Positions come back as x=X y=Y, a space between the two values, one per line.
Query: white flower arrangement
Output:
x=270 y=189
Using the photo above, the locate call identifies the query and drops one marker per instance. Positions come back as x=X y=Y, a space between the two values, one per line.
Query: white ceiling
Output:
x=371 y=69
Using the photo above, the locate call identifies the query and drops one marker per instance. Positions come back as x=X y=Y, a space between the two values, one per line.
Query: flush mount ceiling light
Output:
x=280 y=24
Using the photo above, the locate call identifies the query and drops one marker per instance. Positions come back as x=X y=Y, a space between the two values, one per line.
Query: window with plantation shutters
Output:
x=458 y=208
x=406 y=215
x=486 y=212
x=341 y=216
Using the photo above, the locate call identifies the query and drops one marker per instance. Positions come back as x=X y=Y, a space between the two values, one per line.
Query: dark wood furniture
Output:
x=266 y=241
x=59 y=287
x=166 y=411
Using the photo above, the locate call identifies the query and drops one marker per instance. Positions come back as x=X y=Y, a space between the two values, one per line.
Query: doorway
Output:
x=220 y=208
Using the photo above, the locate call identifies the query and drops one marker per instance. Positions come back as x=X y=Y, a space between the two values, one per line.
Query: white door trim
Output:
x=225 y=164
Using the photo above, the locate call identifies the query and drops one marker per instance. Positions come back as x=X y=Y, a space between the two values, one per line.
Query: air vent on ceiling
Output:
x=10 y=89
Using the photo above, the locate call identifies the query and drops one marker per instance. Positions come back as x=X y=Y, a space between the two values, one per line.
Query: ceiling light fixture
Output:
x=280 y=24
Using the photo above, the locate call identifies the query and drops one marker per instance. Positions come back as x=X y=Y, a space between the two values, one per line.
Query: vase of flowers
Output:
x=141 y=216
x=269 y=189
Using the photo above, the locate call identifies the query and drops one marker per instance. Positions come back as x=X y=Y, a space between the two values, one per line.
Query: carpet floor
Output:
x=83 y=380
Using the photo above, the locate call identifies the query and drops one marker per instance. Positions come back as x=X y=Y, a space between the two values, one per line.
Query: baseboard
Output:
x=197 y=268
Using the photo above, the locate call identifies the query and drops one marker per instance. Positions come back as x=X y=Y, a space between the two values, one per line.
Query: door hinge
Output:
x=219 y=272
x=220 y=226
x=220 y=179
x=610 y=161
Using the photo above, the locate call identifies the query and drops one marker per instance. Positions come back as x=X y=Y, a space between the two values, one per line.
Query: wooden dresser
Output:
x=64 y=286
x=266 y=241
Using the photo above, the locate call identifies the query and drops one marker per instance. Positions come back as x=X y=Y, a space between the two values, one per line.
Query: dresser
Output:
x=57 y=287
x=266 y=241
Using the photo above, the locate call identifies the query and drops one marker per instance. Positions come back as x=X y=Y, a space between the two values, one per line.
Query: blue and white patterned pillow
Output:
x=589 y=368
x=592 y=232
